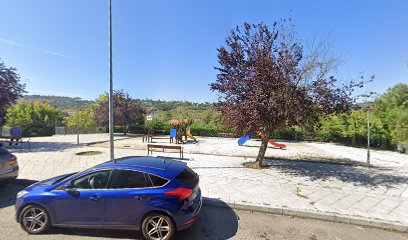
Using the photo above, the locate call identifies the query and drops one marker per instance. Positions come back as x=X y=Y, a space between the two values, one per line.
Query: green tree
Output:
x=392 y=109
x=35 y=119
x=352 y=128
x=86 y=117
x=157 y=124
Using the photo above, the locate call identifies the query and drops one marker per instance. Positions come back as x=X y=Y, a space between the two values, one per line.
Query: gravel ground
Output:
x=306 y=151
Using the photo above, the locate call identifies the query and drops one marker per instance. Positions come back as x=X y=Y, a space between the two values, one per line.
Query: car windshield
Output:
x=64 y=177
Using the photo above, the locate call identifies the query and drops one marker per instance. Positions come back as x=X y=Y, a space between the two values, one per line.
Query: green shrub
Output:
x=204 y=131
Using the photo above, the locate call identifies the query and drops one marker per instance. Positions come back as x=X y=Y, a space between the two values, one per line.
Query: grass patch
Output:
x=88 y=153
x=254 y=165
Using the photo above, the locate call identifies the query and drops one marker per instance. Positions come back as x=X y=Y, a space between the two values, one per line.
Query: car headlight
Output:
x=21 y=194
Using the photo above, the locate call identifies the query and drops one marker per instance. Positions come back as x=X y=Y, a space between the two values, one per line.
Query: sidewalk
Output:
x=375 y=193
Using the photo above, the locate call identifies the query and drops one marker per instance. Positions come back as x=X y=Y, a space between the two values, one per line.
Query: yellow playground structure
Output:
x=178 y=129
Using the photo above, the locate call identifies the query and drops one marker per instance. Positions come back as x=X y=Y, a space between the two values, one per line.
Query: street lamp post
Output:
x=111 y=130
x=78 y=112
x=368 y=136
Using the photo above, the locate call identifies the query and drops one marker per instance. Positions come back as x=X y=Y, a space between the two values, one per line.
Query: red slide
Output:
x=279 y=145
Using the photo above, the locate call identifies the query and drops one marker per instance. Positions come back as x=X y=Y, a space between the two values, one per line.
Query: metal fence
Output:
x=402 y=148
x=5 y=131
x=82 y=130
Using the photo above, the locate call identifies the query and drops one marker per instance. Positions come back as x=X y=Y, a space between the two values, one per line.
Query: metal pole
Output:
x=78 y=112
x=368 y=136
x=111 y=126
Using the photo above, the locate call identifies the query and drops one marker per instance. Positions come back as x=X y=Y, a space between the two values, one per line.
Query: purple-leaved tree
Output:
x=127 y=111
x=265 y=82
x=11 y=89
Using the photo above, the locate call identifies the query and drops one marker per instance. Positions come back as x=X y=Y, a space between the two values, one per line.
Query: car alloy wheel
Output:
x=34 y=219
x=158 y=227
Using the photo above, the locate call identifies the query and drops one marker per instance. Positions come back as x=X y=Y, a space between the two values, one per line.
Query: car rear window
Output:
x=188 y=177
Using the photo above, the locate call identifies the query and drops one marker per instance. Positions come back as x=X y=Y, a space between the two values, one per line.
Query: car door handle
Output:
x=95 y=198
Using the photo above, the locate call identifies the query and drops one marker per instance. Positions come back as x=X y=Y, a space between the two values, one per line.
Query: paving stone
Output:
x=356 y=191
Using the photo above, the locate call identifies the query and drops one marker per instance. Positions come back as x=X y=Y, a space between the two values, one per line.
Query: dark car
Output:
x=155 y=195
x=8 y=166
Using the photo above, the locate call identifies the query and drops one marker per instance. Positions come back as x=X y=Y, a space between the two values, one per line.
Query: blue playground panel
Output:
x=173 y=132
x=243 y=139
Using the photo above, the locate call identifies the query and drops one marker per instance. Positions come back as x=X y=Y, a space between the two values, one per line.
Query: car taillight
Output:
x=12 y=161
x=181 y=193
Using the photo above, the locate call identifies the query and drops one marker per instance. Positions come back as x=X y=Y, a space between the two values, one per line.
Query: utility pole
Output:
x=78 y=112
x=111 y=126
x=368 y=136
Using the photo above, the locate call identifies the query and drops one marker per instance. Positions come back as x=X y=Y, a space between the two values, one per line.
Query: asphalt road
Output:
x=214 y=223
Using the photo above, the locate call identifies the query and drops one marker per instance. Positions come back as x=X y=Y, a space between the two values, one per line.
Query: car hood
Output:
x=46 y=183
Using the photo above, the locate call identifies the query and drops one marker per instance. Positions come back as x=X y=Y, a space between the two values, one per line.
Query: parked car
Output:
x=154 y=195
x=8 y=166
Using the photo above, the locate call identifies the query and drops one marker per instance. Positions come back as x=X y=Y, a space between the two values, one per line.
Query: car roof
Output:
x=158 y=165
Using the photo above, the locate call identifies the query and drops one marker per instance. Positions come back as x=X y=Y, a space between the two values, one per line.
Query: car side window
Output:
x=156 y=181
x=96 y=180
x=129 y=179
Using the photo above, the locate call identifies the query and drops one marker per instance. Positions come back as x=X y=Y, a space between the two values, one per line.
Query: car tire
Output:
x=34 y=219
x=158 y=226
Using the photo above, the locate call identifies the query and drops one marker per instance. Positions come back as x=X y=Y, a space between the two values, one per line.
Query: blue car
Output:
x=156 y=196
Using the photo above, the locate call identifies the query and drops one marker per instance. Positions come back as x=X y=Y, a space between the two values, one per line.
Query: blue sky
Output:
x=167 y=49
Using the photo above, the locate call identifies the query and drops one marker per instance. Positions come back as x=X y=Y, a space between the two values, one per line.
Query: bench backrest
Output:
x=163 y=146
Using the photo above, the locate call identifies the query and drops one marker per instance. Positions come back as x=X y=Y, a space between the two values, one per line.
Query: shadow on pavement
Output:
x=43 y=147
x=8 y=191
x=213 y=223
x=370 y=177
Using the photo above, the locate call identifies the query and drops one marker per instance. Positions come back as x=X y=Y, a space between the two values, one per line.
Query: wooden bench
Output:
x=225 y=135
x=21 y=140
x=147 y=138
x=155 y=148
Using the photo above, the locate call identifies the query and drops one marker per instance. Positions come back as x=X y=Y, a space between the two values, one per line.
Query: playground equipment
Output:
x=178 y=129
x=175 y=132
x=188 y=133
x=279 y=145
x=243 y=139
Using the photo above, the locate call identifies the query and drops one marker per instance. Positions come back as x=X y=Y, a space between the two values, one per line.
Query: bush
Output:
x=204 y=131
x=35 y=119
x=157 y=124
x=296 y=133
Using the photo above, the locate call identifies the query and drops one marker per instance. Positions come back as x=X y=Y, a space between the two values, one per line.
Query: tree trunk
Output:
x=262 y=151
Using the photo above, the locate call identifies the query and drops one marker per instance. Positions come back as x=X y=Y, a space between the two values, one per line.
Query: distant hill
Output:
x=163 y=109
x=63 y=103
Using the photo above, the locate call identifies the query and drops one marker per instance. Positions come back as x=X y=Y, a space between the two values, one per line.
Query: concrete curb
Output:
x=332 y=217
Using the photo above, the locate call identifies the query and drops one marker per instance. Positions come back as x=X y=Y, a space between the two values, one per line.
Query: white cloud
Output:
x=59 y=54
x=10 y=42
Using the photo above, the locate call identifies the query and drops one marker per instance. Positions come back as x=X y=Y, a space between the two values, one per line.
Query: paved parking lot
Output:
x=375 y=193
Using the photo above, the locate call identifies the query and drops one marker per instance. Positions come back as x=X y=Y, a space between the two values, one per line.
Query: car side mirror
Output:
x=67 y=186
x=70 y=190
